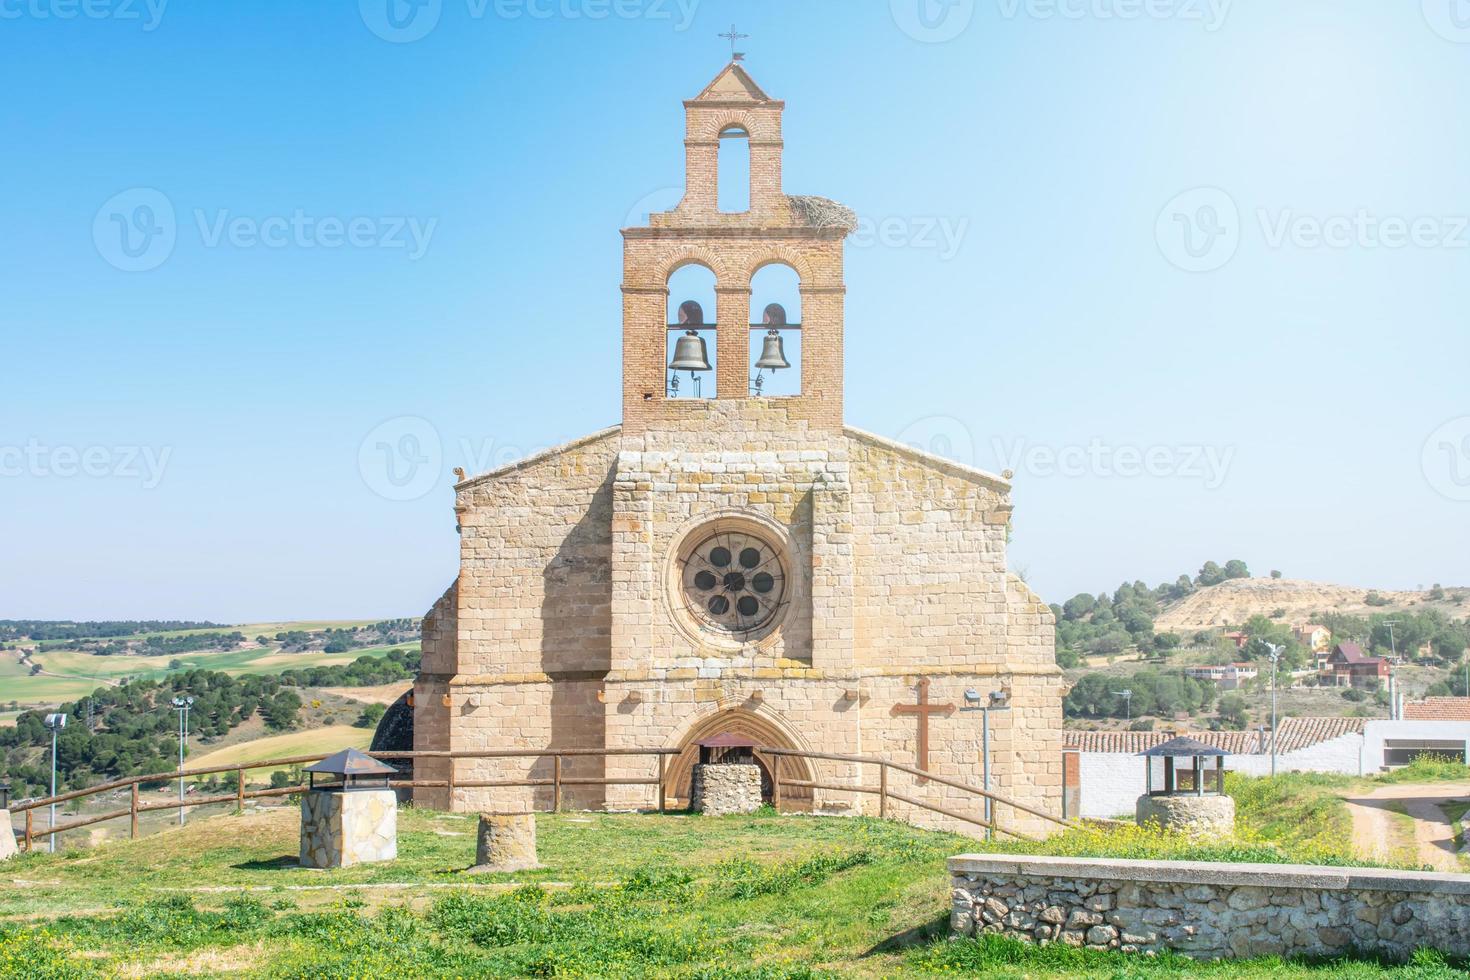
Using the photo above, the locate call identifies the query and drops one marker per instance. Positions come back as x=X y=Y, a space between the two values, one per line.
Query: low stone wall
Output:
x=1209 y=910
x=717 y=789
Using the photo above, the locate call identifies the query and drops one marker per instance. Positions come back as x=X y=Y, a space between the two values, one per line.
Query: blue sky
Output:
x=1196 y=271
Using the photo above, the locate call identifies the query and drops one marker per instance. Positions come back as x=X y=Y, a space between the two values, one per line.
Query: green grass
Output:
x=619 y=895
x=1425 y=769
x=1301 y=810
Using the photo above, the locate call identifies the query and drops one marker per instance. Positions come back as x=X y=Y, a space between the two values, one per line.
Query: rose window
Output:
x=733 y=581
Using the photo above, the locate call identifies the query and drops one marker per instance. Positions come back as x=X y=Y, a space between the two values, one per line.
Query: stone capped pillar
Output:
x=8 y=849
x=343 y=828
x=718 y=789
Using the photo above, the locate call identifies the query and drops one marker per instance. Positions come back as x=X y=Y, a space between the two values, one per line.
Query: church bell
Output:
x=690 y=353
x=773 y=354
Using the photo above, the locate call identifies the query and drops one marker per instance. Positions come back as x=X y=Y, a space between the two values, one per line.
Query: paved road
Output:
x=1375 y=834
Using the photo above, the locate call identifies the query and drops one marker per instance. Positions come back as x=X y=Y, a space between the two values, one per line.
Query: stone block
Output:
x=718 y=789
x=506 y=842
x=341 y=829
x=8 y=849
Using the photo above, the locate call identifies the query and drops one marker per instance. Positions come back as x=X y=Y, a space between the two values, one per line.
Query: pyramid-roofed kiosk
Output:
x=736 y=564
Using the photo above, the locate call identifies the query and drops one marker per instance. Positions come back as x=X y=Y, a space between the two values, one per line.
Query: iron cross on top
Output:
x=735 y=37
x=923 y=709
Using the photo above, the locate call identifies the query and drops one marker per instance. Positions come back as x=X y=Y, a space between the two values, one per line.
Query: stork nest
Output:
x=820 y=212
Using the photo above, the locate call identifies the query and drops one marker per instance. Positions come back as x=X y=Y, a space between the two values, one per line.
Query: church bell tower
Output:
x=803 y=233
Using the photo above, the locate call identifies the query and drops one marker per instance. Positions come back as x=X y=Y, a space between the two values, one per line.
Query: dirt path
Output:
x=1377 y=834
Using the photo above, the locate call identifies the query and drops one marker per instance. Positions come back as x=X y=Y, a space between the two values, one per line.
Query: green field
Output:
x=627 y=895
x=85 y=672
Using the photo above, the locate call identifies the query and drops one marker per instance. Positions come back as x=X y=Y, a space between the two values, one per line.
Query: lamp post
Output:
x=1393 y=670
x=1275 y=659
x=182 y=706
x=998 y=701
x=55 y=722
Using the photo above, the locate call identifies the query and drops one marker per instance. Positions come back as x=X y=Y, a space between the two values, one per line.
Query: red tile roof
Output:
x=1437 y=709
x=1295 y=734
x=1353 y=654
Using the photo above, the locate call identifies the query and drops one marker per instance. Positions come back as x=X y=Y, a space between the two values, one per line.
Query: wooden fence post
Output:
x=133 y=812
x=882 y=791
x=662 y=764
x=30 y=817
x=450 y=781
x=556 y=784
x=240 y=790
x=776 y=783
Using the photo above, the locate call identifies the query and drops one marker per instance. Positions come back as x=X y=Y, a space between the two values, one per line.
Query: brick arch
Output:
x=755 y=123
x=761 y=728
x=780 y=255
x=693 y=255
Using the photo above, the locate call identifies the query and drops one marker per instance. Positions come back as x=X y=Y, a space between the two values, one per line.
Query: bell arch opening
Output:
x=775 y=332
x=732 y=176
x=764 y=732
x=691 y=351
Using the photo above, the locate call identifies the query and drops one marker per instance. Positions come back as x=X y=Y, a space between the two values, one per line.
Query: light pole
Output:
x=56 y=723
x=998 y=702
x=1393 y=670
x=182 y=705
x=1127 y=695
x=1275 y=658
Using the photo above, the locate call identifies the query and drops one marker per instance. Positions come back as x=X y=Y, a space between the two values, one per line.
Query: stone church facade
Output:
x=735 y=564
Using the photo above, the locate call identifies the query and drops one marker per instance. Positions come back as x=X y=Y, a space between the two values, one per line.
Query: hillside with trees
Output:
x=134 y=727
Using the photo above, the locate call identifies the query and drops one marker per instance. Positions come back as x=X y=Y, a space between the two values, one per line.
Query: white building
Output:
x=1109 y=775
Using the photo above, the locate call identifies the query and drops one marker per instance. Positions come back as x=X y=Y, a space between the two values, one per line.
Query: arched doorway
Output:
x=763 y=731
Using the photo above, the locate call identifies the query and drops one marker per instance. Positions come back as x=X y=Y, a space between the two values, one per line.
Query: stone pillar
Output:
x=343 y=828
x=506 y=842
x=8 y=849
x=718 y=789
x=1212 y=815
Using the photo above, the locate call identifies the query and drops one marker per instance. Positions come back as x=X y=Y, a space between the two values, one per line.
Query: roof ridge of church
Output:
x=753 y=89
x=961 y=469
x=545 y=454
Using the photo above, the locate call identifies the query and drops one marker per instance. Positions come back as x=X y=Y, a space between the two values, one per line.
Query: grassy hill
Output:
x=327 y=739
x=618 y=896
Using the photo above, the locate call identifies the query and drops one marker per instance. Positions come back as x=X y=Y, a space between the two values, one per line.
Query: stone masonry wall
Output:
x=1210 y=911
x=339 y=830
x=724 y=789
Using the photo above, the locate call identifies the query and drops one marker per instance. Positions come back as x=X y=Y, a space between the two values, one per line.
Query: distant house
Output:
x=1227 y=676
x=1316 y=638
x=1349 y=666
x=1239 y=638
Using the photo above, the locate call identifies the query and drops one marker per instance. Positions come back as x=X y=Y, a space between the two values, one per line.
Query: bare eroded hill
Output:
x=1232 y=603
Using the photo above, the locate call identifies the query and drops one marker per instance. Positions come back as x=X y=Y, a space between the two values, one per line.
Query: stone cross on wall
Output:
x=923 y=710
